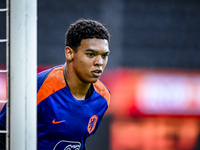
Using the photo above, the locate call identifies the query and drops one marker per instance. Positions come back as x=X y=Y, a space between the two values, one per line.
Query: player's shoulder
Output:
x=103 y=90
x=49 y=82
x=101 y=86
x=41 y=76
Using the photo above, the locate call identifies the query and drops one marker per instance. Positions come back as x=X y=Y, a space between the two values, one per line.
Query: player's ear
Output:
x=69 y=53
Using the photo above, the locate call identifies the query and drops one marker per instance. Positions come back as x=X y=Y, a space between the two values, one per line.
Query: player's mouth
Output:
x=97 y=73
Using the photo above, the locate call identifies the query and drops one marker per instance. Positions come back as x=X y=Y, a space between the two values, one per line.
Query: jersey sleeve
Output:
x=3 y=116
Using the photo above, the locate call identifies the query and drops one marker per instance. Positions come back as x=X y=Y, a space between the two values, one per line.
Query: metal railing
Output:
x=21 y=69
x=6 y=11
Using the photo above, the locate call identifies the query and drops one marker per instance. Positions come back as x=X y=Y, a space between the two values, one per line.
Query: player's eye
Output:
x=90 y=54
x=105 y=56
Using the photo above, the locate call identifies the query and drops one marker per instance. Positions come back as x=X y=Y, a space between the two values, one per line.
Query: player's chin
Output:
x=94 y=80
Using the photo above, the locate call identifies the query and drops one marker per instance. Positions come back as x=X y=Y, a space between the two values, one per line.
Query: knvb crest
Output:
x=92 y=123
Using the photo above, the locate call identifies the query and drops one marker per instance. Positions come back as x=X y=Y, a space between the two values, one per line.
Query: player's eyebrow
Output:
x=95 y=51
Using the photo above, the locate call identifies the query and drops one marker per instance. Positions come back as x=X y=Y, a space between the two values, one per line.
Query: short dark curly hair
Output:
x=84 y=29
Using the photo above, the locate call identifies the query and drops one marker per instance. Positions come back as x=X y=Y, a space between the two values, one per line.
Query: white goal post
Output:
x=22 y=74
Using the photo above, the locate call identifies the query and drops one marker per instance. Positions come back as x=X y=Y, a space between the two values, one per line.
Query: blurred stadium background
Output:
x=153 y=71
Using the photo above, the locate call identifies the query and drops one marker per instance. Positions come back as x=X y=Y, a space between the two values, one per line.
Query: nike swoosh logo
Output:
x=56 y=122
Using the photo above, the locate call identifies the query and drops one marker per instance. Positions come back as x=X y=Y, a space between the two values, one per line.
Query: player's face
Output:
x=91 y=59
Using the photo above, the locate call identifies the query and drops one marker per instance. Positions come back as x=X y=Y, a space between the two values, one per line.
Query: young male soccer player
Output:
x=71 y=100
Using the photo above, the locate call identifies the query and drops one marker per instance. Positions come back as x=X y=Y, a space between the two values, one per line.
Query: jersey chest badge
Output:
x=92 y=123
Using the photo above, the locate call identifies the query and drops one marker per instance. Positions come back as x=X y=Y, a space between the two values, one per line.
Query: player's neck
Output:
x=77 y=88
x=78 y=91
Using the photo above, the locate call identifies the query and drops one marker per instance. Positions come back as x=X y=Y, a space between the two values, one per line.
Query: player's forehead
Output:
x=95 y=45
